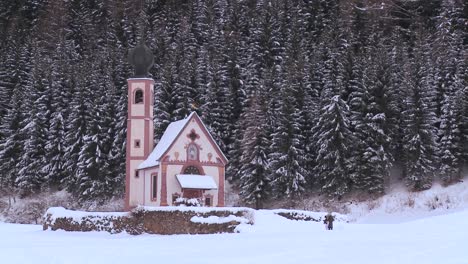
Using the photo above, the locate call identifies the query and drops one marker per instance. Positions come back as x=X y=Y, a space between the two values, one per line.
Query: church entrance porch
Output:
x=192 y=193
x=194 y=197
x=193 y=187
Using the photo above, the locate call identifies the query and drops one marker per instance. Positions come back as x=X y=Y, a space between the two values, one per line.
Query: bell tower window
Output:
x=138 y=97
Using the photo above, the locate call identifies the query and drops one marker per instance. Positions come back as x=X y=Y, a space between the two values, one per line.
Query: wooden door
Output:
x=192 y=193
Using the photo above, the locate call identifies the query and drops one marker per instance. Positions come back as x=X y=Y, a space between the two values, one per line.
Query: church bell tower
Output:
x=140 y=125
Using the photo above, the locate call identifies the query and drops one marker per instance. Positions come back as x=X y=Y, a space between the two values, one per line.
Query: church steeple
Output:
x=140 y=125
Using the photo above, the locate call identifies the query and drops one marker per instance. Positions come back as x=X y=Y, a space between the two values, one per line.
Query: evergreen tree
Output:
x=287 y=157
x=34 y=126
x=287 y=160
x=333 y=140
x=449 y=72
x=76 y=128
x=419 y=142
x=371 y=103
x=12 y=141
x=254 y=173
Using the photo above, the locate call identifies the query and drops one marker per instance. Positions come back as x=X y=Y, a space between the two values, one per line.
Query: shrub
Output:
x=187 y=202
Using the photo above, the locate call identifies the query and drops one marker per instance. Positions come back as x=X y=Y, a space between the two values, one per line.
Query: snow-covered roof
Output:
x=168 y=137
x=193 y=181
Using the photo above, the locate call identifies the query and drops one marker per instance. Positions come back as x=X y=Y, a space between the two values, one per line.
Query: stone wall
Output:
x=151 y=220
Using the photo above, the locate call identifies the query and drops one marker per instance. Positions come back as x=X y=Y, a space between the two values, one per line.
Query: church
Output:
x=186 y=163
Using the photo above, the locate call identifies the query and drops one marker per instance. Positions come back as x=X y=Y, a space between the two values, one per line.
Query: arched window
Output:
x=192 y=170
x=138 y=96
x=192 y=152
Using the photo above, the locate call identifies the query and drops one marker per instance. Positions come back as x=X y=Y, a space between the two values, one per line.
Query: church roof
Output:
x=169 y=136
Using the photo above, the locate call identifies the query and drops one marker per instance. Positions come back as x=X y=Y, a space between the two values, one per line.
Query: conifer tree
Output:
x=255 y=178
x=287 y=157
x=449 y=72
x=34 y=127
x=419 y=142
x=333 y=140
x=371 y=103
x=12 y=142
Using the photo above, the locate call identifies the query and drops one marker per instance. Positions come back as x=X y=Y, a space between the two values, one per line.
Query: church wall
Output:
x=173 y=185
x=138 y=109
x=136 y=184
x=213 y=172
x=148 y=174
x=138 y=130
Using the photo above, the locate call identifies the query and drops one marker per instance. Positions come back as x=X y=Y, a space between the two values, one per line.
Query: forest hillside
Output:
x=304 y=96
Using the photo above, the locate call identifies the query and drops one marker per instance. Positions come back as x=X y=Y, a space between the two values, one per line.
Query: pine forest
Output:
x=324 y=96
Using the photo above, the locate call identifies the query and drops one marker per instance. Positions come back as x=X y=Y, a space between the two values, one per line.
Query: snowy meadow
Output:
x=273 y=239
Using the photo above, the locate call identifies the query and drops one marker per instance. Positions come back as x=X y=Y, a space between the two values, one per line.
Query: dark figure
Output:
x=328 y=221
x=141 y=58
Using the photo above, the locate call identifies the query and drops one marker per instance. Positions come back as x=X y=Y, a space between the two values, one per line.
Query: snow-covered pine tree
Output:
x=252 y=84
x=331 y=132
x=12 y=141
x=117 y=93
x=450 y=71
x=60 y=91
x=419 y=141
x=255 y=178
x=76 y=128
x=287 y=157
x=287 y=149
x=463 y=95
x=216 y=108
x=7 y=81
x=358 y=102
x=333 y=141
x=183 y=52
x=34 y=129
x=372 y=104
x=166 y=97
x=397 y=56
x=451 y=143
x=236 y=63
x=91 y=163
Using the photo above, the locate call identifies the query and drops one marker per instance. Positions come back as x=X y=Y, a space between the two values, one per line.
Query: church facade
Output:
x=186 y=163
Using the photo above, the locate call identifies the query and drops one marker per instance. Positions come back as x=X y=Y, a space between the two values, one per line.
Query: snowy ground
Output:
x=401 y=227
x=439 y=239
x=399 y=205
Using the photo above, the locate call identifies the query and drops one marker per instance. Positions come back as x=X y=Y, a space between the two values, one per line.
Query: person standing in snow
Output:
x=328 y=221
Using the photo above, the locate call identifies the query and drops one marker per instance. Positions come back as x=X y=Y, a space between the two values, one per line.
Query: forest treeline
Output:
x=309 y=95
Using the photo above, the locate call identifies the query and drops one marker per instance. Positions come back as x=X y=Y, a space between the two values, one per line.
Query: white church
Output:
x=186 y=163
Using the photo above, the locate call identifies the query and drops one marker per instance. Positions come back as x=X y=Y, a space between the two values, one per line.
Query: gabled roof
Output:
x=169 y=137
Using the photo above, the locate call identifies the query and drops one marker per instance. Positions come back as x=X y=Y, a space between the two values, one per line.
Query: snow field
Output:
x=400 y=205
x=273 y=239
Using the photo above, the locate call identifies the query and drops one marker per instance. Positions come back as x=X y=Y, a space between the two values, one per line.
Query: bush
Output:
x=30 y=212
x=31 y=209
x=3 y=205
x=187 y=202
